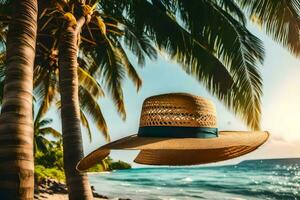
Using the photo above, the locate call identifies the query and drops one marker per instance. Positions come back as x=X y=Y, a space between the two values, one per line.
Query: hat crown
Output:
x=178 y=110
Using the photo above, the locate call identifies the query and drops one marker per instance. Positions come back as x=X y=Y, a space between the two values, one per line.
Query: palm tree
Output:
x=42 y=129
x=279 y=19
x=46 y=89
x=77 y=182
x=46 y=81
x=79 y=187
x=16 y=124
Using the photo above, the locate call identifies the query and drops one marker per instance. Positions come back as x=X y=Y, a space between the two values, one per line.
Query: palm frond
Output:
x=239 y=50
x=195 y=58
x=131 y=72
x=90 y=106
x=139 y=44
x=87 y=62
x=220 y=52
x=41 y=144
x=85 y=123
x=45 y=122
x=87 y=81
x=51 y=131
x=3 y=32
x=230 y=6
x=191 y=53
x=111 y=71
x=38 y=117
x=2 y=74
x=46 y=87
x=280 y=20
x=2 y=62
x=6 y=7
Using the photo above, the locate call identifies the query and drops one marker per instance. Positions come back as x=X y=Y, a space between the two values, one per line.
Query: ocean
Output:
x=255 y=179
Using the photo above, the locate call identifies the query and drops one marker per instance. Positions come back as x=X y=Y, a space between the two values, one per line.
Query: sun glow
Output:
x=281 y=115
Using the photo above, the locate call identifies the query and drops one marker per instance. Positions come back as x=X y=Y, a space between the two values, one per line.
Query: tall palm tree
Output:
x=16 y=124
x=77 y=184
x=68 y=79
x=279 y=19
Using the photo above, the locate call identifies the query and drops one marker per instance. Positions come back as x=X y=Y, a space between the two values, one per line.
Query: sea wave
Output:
x=250 y=180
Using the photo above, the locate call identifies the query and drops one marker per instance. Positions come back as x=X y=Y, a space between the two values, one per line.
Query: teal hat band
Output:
x=177 y=132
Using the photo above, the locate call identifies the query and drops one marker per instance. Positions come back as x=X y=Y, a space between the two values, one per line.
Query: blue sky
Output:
x=280 y=108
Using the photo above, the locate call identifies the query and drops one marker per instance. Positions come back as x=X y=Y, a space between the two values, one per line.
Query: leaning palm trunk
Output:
x=16 y=124
x=77 y=182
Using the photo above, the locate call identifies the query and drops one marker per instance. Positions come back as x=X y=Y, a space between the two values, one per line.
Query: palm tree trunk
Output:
x=77 y=182
x=16 y=125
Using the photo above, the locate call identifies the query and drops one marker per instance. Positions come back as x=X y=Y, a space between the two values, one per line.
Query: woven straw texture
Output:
x=92 y=159
x=193 y=157
x=178 y=109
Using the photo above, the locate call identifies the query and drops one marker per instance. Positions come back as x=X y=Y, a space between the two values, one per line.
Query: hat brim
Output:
x=190 y=157
x=181 y=151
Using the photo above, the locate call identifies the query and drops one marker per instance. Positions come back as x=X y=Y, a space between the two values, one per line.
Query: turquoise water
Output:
x=261 y=179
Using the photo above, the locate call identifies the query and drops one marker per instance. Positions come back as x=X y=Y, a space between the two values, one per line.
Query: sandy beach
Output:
x=45 y=196
x=54 y=190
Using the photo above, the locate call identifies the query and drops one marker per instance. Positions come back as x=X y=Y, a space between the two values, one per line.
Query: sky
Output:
x=280 y=103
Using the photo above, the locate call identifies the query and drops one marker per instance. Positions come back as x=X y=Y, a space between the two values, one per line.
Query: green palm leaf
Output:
x=241 y=52
x=139 y=44
x=46 y=87
x=41 y=144
x=2 y=74
x=280 y=20
x=230 y=41
x=85 y=123
x=89 y=106
x=51 y=131
x=45 y=122
x=230 y=6
x=87 y=81
x=111 y=70
x=131 y=72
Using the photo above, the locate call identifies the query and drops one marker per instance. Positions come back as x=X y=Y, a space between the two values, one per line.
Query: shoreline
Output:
x=50 y=189
x=56 y=196
x=93 y=173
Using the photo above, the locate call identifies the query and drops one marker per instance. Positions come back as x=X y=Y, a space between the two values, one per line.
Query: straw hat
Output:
x=180 y=129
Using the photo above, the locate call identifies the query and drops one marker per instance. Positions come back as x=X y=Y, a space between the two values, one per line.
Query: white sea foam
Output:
x=187 y=179
x=125 y=184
